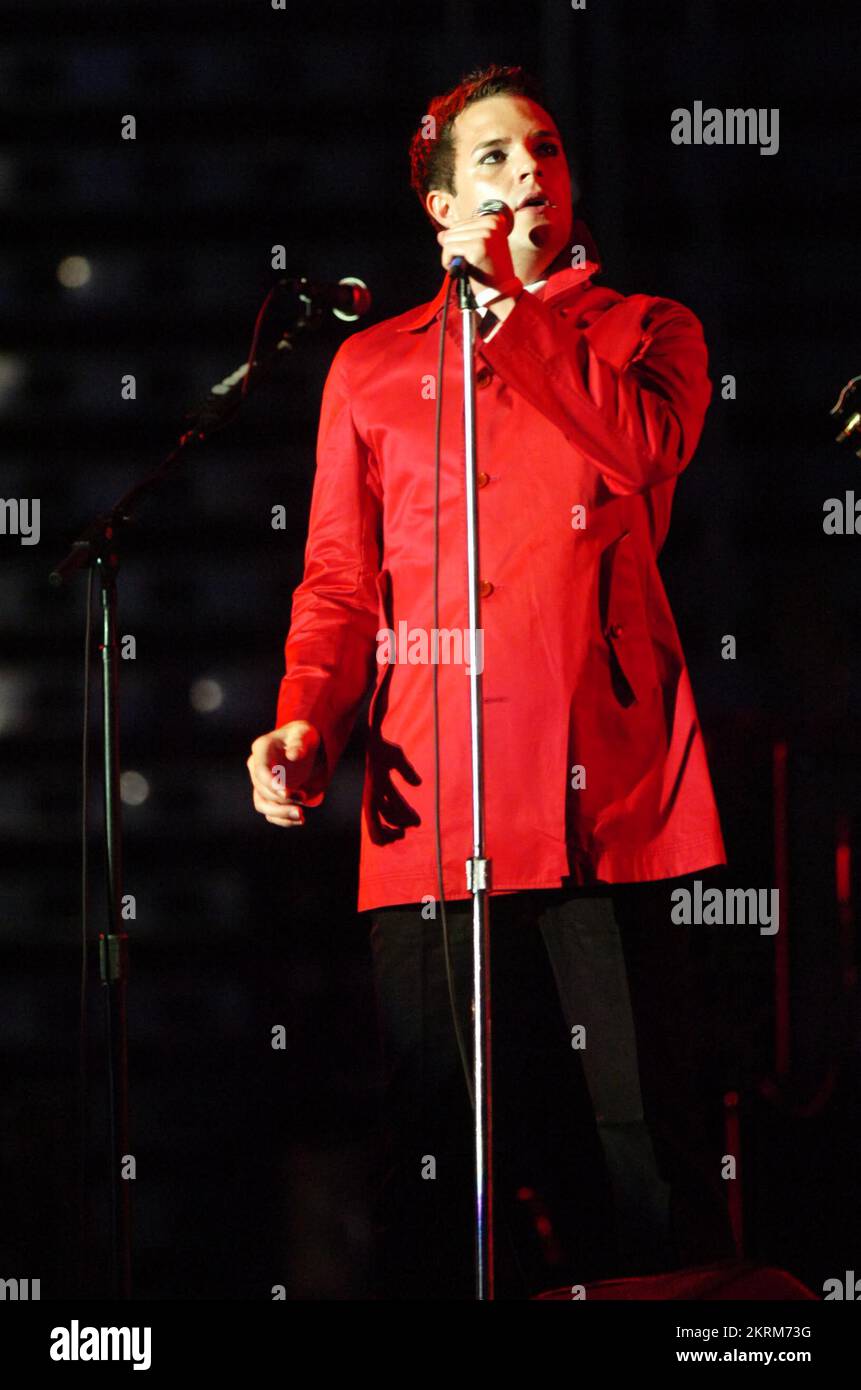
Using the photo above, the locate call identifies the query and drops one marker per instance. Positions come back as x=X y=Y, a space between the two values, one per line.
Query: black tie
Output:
x=486 y=322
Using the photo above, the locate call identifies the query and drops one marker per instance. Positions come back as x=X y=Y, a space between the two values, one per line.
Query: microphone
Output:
x=348 y=300
x=458 y=264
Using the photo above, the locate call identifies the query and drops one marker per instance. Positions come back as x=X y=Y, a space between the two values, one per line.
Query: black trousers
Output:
x=606 y=1153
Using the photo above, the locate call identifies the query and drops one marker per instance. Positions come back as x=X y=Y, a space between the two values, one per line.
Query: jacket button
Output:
x=484 y=376
x=614 y=630
x=485 y=588
x=482 y=480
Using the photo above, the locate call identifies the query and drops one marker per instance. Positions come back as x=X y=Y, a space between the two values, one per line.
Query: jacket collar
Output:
x=559 y=279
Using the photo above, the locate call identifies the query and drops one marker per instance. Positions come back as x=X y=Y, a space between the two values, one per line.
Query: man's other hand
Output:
x=279 y=766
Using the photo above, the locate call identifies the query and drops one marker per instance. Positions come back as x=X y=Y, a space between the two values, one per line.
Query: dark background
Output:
x=255 y=128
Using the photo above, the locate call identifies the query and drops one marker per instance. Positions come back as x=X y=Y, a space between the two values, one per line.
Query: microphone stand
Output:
x=478 y=865
x=99 y=546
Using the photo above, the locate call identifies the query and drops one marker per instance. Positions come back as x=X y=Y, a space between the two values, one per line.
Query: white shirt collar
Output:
x=487 y=295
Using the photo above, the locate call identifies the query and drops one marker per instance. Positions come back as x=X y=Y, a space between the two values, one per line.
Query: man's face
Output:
x=508 y=147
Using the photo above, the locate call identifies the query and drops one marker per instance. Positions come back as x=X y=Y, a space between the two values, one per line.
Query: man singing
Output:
x=598 y=798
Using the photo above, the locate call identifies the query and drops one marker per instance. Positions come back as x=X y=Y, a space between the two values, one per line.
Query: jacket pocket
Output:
x=624 y=621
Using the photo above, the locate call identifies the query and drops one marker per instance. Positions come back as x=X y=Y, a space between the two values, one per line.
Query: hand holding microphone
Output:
x=481 y=242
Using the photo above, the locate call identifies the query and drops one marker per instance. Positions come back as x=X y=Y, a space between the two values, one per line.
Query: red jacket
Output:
x=587 y=399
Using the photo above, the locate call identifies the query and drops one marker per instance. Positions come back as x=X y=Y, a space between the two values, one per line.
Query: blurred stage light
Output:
x=15 y=701
x=134 y=789
x=74 y=271
x=11 y=376
x=206 y=695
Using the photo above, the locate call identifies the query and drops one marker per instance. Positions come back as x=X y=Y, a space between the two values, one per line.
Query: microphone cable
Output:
x=435 y=681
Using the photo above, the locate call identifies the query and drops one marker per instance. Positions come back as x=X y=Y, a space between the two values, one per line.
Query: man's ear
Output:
x=439 y=205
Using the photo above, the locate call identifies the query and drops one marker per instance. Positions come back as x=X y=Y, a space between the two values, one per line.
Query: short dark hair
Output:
x=432 y=156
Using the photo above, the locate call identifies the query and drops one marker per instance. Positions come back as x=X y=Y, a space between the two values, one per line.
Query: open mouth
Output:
x=538 y=200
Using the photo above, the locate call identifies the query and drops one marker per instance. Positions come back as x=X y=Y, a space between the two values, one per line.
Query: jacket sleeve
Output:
x=330 y=647
x=640 y=423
